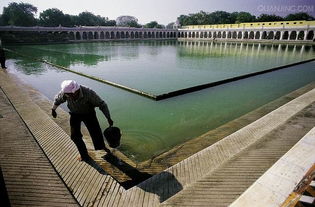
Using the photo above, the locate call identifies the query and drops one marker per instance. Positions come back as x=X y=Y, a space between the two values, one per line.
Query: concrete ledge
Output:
x=279 y=181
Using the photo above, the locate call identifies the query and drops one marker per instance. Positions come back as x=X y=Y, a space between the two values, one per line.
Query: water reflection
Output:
x=31 y=67
x=90 y=54
x=60 y=57
x=221 y=49
x=94 y=54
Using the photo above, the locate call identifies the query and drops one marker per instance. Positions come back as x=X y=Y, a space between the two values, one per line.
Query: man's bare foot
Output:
x=107 y=151
x=83 y=158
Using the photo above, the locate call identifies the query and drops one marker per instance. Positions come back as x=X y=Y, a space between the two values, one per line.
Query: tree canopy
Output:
x=222 y=17
x=23 y=14
x=153 y=24
x=19 y=14
x=127 y=21
x=51 y=17
x=269 y=18
x=217 y=17
x=299 y=16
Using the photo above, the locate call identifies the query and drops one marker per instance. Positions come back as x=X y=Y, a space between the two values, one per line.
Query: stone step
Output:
x=230 y=180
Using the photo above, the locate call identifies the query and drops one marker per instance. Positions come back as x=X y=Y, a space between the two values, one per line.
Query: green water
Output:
x=150 y=127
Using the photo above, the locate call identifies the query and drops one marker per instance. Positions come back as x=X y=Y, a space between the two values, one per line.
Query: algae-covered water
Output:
x=150 y=127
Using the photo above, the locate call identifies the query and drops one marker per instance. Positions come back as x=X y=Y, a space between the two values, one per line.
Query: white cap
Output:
x=69 y=86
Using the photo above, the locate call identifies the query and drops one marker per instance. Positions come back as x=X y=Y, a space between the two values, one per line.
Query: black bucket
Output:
x=112 y=135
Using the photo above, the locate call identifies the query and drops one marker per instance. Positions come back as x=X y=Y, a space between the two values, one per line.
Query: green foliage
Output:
x=183 y=20
x=51 y=18
x=299 y=16
x=69 y=20
x=22 y=14
x=89 y=19
x=233 y=17
x=222 y=17
x=55 y=17
x=217 y=17
x=111 y=23
x=153 y=24
x=19 y=14
x=1 y=20
x=269 y=18
x=134 y=24
x=245 y=17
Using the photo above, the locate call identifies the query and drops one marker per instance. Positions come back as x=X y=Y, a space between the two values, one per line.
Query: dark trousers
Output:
x=2 y=61
x=91 y=123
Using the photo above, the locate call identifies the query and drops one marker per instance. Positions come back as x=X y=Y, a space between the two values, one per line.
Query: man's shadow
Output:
x=135 y=175
x=164 y=184
x=93 y=164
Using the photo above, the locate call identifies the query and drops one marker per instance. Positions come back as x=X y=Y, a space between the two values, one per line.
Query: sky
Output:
x=166 y=11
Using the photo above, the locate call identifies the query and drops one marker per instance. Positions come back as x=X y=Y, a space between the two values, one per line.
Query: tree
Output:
x=52 y=18
x=111 y=23
x=182 y=19
x=245 y=17
x=217 y=17
x=89 y=19
x=153 y=24
x=200 y=17
x=19 y=14
x=269 y=18
x=133 y=24
x=127 y=21
x=299 y=16
x=191 y=20
x=1 y=20
x=86 y=19
x=233 y=17
x=220 y=17
x=69 y=20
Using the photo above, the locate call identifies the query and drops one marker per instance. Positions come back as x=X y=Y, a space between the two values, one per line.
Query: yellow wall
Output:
x=252 y=24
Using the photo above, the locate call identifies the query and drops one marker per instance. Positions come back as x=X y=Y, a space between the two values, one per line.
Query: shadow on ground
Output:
x=164 y=184
x=135 y=175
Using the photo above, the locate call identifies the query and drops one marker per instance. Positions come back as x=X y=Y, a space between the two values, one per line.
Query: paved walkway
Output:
x=87 y=182
x=29 y=177
x=221 y=165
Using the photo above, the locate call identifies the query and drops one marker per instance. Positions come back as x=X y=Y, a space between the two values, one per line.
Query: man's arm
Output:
x=103 y=107
x=59 y=99
x=101 y=104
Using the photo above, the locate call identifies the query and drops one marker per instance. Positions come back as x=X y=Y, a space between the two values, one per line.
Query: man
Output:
x=81 y=102
x=2 y=58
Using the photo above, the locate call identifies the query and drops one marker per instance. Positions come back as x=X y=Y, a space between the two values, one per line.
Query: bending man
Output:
x=2 y=58
x=81 y=102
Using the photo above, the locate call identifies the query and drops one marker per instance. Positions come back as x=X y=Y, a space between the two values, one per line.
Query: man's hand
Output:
x=54 y=113
x=110 y=122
